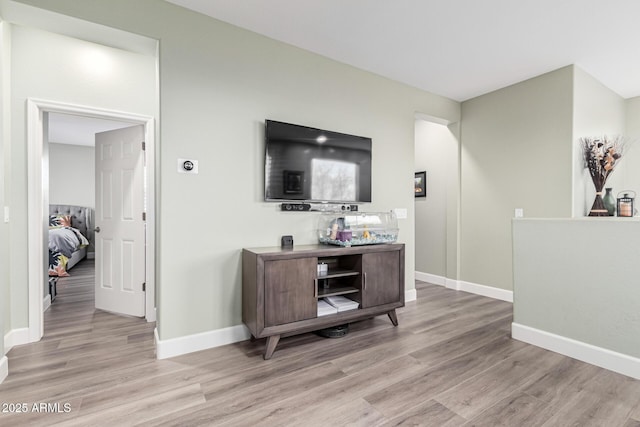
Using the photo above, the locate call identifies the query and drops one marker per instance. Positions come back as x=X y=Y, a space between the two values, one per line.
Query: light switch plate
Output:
x=401 y=213
x=518 y=213
x=188 y=166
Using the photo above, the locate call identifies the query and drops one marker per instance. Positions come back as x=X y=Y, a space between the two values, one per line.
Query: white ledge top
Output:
x=616 y=219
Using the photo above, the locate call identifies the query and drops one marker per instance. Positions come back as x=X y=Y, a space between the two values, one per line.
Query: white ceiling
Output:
x=78 y=130
x=456 y=48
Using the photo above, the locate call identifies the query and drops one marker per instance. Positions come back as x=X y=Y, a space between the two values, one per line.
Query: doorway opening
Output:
x=38 y=199
x=70 y=171
x=437 y=152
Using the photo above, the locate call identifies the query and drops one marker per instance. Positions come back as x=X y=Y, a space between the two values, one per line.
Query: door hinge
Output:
x=144 y=216
x=144 y=146
x=144 y=286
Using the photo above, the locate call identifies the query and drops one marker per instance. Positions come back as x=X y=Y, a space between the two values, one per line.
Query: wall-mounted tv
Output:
x=315 y=165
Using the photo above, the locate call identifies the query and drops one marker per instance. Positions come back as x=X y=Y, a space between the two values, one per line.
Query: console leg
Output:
x=272 y=342
x=393 y=317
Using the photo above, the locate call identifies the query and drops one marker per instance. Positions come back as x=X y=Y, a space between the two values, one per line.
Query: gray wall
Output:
x=72 y=175
x=218 y=84
x=436 y=151
x=577 y=278
x=516 y=153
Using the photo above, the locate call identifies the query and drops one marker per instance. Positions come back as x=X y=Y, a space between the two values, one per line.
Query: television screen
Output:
x=315 y=165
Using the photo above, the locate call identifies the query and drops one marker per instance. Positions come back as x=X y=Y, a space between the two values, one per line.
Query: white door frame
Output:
x=38 y=212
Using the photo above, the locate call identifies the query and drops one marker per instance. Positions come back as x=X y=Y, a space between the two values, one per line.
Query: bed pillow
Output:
x=59 y=221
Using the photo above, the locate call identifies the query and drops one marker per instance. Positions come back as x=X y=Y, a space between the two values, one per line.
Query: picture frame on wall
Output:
x=421 y=184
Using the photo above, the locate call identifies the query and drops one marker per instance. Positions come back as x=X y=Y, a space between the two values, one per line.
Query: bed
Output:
x=70 y=235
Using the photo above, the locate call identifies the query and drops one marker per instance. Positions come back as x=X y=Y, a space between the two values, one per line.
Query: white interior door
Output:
x=120 y=227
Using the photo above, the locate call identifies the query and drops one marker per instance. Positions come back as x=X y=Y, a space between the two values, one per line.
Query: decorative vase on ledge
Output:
x=600 y=157
x=598 y=208
x=609 y=202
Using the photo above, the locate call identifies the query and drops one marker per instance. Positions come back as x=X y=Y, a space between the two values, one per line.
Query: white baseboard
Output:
x=46 y=303
x=205 y=340
x=4 y=368
x=15 y=337
x=430 y=278
x=410 y=295
x=452 y=284
x=486 y=291
x=460 y=285
x=608 y=359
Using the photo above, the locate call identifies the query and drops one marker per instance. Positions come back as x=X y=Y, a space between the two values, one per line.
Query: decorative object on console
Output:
x=625 y=204
x=421 y=184
x=601 y=156
x=609 y=201
x=354 y=229
x=286 y=242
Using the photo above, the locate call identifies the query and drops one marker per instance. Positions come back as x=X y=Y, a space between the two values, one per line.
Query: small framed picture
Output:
x=421 y=184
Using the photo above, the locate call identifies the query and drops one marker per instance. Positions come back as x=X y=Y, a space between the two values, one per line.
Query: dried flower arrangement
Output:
x=601 y=156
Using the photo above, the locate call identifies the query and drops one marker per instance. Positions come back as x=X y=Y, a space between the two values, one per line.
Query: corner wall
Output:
x=597 y=111
x=515 y=154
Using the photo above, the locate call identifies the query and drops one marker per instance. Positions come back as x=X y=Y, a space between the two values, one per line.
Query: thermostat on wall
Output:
x=187 y=166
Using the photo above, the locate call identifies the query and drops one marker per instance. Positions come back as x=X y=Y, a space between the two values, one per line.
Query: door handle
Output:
x=364 y=280
x=97 y=229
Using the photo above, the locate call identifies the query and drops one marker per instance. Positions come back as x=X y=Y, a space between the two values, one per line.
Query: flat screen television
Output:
x=315 y=165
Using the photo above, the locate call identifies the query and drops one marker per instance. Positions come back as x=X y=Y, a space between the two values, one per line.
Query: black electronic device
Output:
x=334 y=332
x=295 y=207
x=315 y=165
x=286 y=242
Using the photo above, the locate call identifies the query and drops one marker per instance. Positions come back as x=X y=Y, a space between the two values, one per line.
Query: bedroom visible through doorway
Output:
x=72 y=178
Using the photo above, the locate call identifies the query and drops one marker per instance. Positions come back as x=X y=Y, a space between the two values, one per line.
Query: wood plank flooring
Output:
x=450 y=362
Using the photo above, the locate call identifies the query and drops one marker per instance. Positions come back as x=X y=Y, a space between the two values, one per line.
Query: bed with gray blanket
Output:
x=70 y=235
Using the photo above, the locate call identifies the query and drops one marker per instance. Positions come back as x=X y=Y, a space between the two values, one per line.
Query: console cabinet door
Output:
x=289 y=290
x=381 y=278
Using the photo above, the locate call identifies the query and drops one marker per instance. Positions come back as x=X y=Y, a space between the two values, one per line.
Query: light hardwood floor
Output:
x=450 y=362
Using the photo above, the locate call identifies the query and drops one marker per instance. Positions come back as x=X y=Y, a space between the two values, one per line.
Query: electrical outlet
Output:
x=518 y=213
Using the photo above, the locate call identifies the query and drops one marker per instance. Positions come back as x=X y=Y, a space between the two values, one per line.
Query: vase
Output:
x=598 y=208
x=609 y=202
